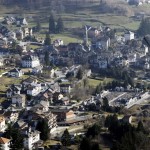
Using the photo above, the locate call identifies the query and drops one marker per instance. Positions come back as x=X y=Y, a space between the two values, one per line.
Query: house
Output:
x=37 y=70
x=65 y=88
x=103 y=42
x=16 y=72
x=31 y=137
x=48 y=72
x=30 y=61
x=21 y=46
x=19 y=34
x=63 y=114
x=27 y=31
x=103 y=63
x=1 y=61
x=33 y=90
x=5 y=143
x=3 y=42
x=129 y=36
x=2 y=123
x=11 y=35
x=58 y=42
x=21 y=21
x=10 y=116
x=14 y=89
x=19 y=100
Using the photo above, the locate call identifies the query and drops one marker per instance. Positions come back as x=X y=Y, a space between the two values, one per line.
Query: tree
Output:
x=14 y=44
x=46 y=58
x=144 y=28
x=66 y=138
x=38 y=26
x=15 y=136
x=85 y=144
x=105 y=104
x=52 y=27
x=60 y=25
x=140 y=127
x=93 y=131
x=79 y=74
x=95 y=146
x=42 y=126
x=47 y=39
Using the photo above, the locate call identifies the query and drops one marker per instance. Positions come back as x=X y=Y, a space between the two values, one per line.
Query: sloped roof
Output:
x=4 y=140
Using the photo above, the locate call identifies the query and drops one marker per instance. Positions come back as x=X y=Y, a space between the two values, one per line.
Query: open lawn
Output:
x=5 y=82
x=95 y=82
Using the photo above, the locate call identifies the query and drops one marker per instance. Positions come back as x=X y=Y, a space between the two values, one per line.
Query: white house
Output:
x=31 y=138
x=19 y=100
x=5 y=143
x=11 y=116
x=2 y=124
x=129 y=36
x=30 y=61
x=1 y=61
x=15 y=73
x=33 y=90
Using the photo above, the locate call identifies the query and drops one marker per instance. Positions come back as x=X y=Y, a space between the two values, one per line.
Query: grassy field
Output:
x=5 y=82
x=95 y=82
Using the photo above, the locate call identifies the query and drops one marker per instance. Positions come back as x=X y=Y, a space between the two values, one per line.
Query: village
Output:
x=66 y=84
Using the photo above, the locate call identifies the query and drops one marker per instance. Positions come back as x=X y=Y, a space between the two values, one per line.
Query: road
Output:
x=114 y=99
x=145 y=97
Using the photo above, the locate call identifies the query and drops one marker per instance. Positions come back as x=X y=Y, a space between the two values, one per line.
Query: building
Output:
x=19 y=100
x=129 y=36
x=63 y=114
x=2 y=124
x=30 y=61
x=1 y=61
x=16 y=72
x=5 y=143
x=65 y=88
x=31 y=138
x=33 y=90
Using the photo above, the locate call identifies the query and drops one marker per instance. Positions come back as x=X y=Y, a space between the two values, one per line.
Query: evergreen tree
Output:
x=144 y=28
x=95 y=146
x=85 y=144
x=66 y=138
x=52 y=27
x=15 y=136
x=42 y=126
x=38 y=26
x=60 y=25
x=93 y=131
x=140 y=127
x=47 y=39
x=46 y=58
x=105 y=104
x=79 y=74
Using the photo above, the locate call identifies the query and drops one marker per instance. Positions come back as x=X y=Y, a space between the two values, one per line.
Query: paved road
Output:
x=114 y=99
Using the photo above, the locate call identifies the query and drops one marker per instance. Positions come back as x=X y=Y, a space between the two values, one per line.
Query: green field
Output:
x=95 y=82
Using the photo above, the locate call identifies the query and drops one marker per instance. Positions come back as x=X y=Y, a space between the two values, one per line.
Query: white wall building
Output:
x=30 y=61
x=2 y=124
x=129 y=36
x=31 y=138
